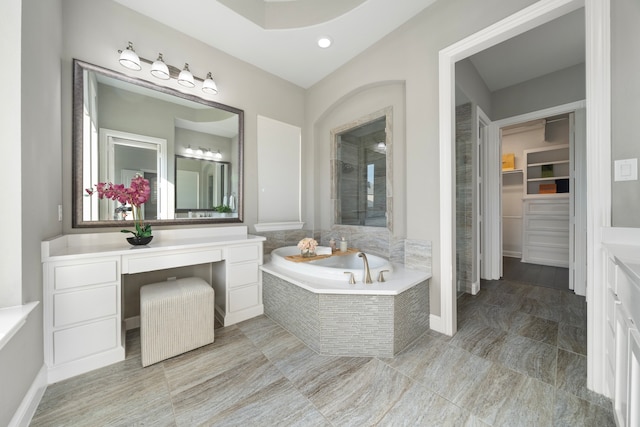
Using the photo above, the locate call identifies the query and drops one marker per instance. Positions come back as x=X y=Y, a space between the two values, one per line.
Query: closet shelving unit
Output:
x=555 y=160
x=546 y=214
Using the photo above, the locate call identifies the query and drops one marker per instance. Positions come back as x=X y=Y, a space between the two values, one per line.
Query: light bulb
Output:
x=129 y=58
x=159 y=69
x=186 y=78
x=209 y=86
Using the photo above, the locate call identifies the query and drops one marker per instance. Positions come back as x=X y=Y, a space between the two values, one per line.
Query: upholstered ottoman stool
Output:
x=175 y=316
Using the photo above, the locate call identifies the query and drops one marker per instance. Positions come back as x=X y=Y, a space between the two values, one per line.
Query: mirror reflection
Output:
x=189 y=149
x=203 y=185
x=361 y=174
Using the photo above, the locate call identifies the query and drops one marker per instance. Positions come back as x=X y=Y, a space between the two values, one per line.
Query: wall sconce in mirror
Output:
x=202 y=152
x=163 y=71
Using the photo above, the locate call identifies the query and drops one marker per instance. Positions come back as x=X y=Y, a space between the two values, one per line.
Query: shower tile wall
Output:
x=464 y=198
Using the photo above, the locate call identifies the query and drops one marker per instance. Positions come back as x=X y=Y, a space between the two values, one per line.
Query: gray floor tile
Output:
x=432 y=410
x=480 y=340
x=572 y=411
x=532 y=358
x=517 y=360
x=572 y=378
x=572 y=338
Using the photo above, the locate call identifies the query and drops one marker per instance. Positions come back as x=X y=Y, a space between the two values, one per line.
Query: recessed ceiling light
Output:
x=324 y=42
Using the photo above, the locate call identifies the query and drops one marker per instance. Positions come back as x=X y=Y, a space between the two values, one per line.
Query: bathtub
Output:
x=332 y=268
x=315 y=301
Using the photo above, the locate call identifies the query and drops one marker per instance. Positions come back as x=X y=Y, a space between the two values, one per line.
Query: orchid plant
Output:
x=135 y=195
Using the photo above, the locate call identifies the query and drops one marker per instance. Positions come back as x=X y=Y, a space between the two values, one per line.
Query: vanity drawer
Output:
x=242 y=274
x=155 y=261
x=84 y=305
x=85 y=274
x=244 y=297
x=243 y=253
x=82 y=341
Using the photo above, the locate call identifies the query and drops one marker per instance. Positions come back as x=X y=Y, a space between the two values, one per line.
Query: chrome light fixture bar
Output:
x=161 y=70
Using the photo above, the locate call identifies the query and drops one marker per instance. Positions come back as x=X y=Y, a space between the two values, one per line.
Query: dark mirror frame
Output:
x=78 y=192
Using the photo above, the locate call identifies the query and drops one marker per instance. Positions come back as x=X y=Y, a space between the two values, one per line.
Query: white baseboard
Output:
x=27 y=409
x=512 y=254
x=436 y=323
x=132 y=323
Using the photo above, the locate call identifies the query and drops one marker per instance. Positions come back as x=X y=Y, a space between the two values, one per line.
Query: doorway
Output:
x=598 y=154
x=537 y=195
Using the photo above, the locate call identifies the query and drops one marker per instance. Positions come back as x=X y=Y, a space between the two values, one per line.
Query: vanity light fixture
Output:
x=188 y=150
x=129 y=58
x=186 y=78
x=159 y=69
x=324 y=42
x=382 y=145
x=208 y=85
x=218 y=155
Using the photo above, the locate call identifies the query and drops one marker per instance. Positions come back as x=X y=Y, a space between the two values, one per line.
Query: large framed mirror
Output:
x=189 y=148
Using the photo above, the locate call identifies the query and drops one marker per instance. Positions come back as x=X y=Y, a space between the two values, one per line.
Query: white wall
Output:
x=625 y=106
x=94 y=30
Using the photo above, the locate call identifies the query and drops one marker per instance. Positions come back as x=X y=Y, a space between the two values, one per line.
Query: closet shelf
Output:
x=549 y=178
x=557 y=162
x=508 y=172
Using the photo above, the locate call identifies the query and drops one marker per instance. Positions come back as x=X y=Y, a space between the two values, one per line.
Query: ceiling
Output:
x=554 y=46
x=290 y=53
x=280 y=36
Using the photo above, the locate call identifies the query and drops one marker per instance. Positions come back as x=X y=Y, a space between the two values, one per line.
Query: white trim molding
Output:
x=598 y=69
x=598 y=154
x=27 y=409
x=12 y=319
x=277 y=226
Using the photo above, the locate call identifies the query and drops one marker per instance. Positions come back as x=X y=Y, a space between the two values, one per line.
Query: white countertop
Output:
x=86 y=245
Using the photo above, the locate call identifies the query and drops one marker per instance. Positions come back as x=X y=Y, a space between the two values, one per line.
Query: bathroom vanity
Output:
x=622 y=331
x=83 y=324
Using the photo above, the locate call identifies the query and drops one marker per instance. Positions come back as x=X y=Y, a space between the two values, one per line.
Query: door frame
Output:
x=598 y=137
x=482 y=197
x=494 y=198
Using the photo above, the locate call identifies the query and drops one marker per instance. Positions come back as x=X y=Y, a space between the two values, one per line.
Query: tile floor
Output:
x=517 y=360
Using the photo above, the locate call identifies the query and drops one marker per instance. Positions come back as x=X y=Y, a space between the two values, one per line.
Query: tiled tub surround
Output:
x=336 y=318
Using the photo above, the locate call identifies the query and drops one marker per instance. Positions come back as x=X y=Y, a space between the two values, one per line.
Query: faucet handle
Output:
x=381 y=275
x=352 y=279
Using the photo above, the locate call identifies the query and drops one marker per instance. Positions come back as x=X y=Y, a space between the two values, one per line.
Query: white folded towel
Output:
x=323 y=250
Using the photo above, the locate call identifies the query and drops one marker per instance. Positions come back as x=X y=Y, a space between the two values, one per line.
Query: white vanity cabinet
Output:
x=82 y=314
x=622 y=336
x=83 y=322
x=241 y=296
